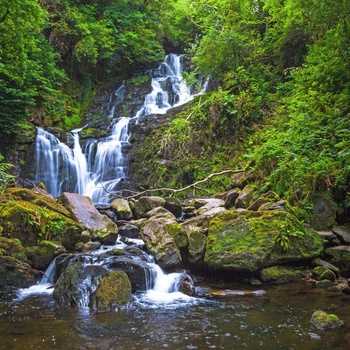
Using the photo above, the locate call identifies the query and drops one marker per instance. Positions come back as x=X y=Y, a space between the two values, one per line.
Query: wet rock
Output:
x=17 y=274
x=145 y=204
x=40 y=256
x=122 y=208
x=114 y=291
x=129 y=230
x=322 y=273
x=326 y=265
x=249 y=241
x=323 y=321
x=340 y=257
x=280 y=274
x=324 y=284
x=77 y=283
x=186 y=284
x=84 y=211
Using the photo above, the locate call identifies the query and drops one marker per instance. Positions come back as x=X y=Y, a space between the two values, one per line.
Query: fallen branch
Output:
x=172 y=190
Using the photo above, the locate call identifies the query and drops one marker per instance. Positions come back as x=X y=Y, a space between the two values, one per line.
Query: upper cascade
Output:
x=99 y=166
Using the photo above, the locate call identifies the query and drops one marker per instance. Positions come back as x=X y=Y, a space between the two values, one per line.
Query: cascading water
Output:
x=99 y=166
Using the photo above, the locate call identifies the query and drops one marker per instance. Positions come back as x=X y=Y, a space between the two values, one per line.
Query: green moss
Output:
x=280 y=274
x=12 y=247
x=178 y=234
x=113 y=291
x=322 y=321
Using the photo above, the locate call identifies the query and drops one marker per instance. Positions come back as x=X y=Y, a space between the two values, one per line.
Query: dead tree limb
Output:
x=172 y=190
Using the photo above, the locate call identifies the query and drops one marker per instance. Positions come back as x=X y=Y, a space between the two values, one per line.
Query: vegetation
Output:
x=280 y=106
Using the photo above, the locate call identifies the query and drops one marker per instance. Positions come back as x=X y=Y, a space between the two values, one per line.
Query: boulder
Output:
x=231 y=197
x=83 y=211
x=280 y=274
x=164 y=237
x=324 y=213
x=17 y=274
x=122 y=208
x=245 y=197
x=129 y=230
x=31 y=222
x=145 y=204
x=340 y=257
x=12 y=247
x=250 y=241
x=114 y=291
x=343 y=233
x=77 y=283
x=198 y=224
x=322 y=273
x=174 y=206
x=323 y=321
x=212 y=203
x=41 y=255
x=326 y=265
x=196 y=247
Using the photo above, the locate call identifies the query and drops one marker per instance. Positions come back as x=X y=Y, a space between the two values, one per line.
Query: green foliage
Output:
x=5 y=178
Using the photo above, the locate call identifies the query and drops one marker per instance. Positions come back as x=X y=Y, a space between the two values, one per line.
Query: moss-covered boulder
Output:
x=77 y=283
x=114 y=291
x=32 y=223
x=245 y=197
x=12 y=247
x=280 y=274
x=17 y=274
x=41 y=255
x=340 y=257
x=249 y=241
x=196 y=247
x=83 y=211
x=122 y=208
x=321 y=273
x=323 y=321
x=164 y=237
x=145 y=204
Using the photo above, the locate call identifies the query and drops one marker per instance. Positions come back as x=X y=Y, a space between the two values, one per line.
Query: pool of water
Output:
x=278 y=319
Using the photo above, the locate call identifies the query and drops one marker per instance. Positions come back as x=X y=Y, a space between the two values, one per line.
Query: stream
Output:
x=278 y=319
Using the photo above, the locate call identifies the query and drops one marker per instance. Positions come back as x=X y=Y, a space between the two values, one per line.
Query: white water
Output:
x=100 y=166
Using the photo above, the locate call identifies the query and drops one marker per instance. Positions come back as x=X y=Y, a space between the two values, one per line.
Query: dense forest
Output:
x=279 y=102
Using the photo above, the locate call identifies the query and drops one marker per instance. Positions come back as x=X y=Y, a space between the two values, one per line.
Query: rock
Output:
x=258 y=203
x=122 y=208
x=145 y=204
x=186 y=284
x=329 y=237
x=40 y=256
x=342 y=233
x=280 y=205
x=77 y=283
x=174 y=206
x=88 y=246
x=250 y=241
x=211 y=203
x=129 y=230
x=84 y=211
x=326 y=265
x=280 y=274
x=37 y=218
x=196 y=247
x=164 y=238
x=12 y=247
x=324 y=213
x=231 y=198
x=323 y=321
x=245 y=197
x=324 y=284
x=17 y=274
x=340 y=257
x=114 y=291
x=198 y=224
x=322 y=273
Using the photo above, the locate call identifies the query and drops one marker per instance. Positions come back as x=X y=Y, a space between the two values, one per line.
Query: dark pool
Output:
x=277 y=320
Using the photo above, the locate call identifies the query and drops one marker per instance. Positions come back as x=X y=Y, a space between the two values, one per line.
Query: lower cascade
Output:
x=152 y=288
x=100 y=165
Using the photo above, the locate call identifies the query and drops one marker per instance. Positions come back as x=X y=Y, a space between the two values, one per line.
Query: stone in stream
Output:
x=323 y=321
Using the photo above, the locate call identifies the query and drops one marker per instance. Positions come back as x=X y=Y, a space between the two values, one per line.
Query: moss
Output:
x=196 y=247
x=280 y=274
x=12 y=247
x=178 y=234
x=113 y=291
x=323 y=321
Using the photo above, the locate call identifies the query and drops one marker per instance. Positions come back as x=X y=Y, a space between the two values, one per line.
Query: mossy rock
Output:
x=31 y=223
x=12 y=247
x=340 y=257
x=77 y=283
x=322 y=273
x=323 y=321
x=280 y=274
x=196 y=247
x=41 y=255
x=249 y=241
x=17 y=274
x=114 y=291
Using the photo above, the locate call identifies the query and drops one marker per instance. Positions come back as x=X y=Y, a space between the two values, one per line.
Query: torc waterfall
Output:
x=99 y=165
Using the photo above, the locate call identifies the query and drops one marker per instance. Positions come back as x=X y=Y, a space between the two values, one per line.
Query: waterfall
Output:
x=101 y=165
